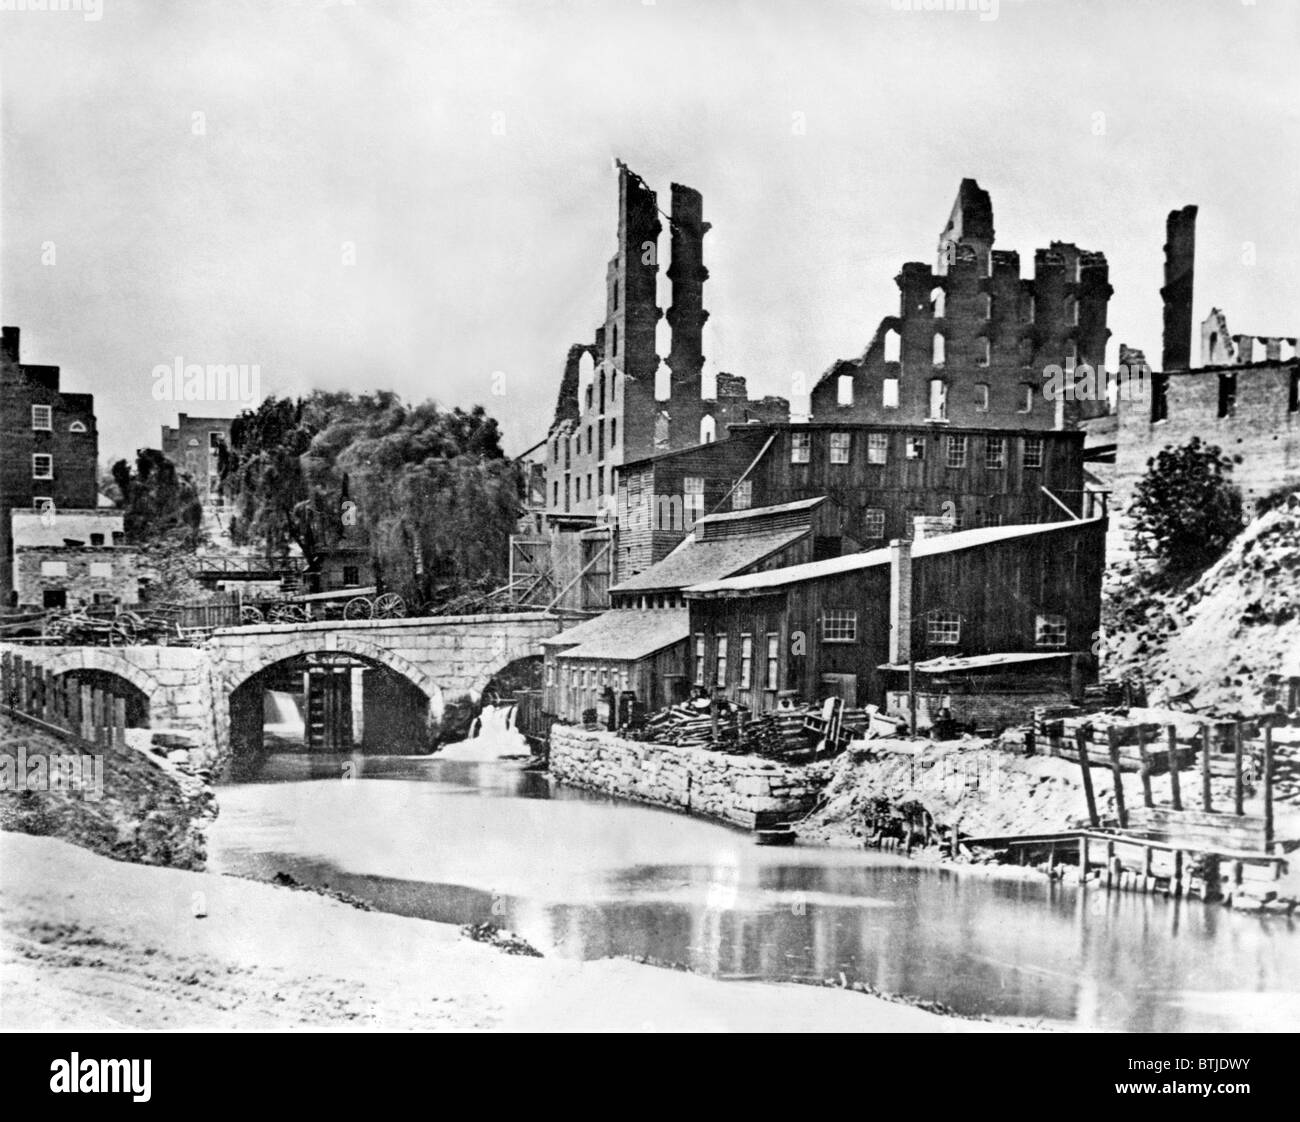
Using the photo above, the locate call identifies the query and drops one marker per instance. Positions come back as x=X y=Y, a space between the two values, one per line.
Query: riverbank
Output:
x=90 y=944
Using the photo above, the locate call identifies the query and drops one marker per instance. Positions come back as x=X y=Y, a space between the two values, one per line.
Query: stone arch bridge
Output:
x=446 y=660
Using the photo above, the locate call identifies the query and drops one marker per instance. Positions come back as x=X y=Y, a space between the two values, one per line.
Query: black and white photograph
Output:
x=651 y=516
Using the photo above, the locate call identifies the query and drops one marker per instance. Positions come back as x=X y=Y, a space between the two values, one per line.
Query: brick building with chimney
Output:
x=49 y=447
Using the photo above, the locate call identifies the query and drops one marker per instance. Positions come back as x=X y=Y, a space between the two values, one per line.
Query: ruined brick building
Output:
x=972 y=339
x=49 y=447
x=1244 y=397
x=611 y=409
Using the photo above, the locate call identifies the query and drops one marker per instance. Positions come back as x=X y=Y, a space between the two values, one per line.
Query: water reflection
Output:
x=589 y=877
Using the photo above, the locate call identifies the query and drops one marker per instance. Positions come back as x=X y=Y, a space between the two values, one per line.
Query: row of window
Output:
x=939 y=300
x=588 y=677
x=100 y=569
x=938 y=402
x=956 y=449
x=43 y=420
x=44 y=502
x=942 y=628
x=771 y=667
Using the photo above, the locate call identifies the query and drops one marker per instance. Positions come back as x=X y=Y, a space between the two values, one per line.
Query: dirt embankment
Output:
x=1229 y=640
x=982 y=790
x=149 y=811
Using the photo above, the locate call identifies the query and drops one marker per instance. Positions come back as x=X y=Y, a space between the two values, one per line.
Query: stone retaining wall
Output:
x=734 y=789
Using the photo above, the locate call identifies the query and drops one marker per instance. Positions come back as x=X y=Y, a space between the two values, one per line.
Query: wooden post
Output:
x=955 y=842
x=1175 y=783
x=87 y=713
x=1110 y=862
x=119 y=723
x=1268 y=788
x=1206 y=802
x=1239 y=794
x=1083 y=859
x=1081 y=738
x=1146 y=868
x=1051 y=859
x=1177 y=885
x=1112 y=743
x=1147 y=801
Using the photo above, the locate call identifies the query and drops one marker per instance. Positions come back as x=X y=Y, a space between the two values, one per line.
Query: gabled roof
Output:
x=695 y=561
x=853 y=562
x=759 y=512
x=623 y=633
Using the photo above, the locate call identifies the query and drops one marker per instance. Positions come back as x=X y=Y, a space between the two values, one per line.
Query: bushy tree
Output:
x=157 y=501
x=1187 y=507
x=427 y=490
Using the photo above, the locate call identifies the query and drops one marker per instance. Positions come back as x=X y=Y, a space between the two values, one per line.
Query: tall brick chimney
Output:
x=1180 y=267
x=900 y=601
x=686 y=270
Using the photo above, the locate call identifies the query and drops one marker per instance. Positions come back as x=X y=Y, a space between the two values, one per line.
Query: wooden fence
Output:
x=61 y=704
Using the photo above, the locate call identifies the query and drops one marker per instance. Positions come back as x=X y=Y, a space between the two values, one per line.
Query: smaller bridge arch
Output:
x=104 y=660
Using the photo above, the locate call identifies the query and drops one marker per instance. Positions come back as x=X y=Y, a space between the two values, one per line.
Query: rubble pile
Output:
x=791 y=734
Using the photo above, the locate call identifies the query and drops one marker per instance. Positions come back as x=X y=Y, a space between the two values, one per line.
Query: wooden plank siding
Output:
x=998 y=589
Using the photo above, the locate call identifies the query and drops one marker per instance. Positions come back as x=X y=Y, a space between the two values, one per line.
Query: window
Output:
x=937 y=300
x=938 y=399
x=873 y=522
x=981 y=351
x=42 y=417
x=692 y=499
x=699 y=660
x=1074 y=312
x=1033 y=452
x=214 y=439
x=981 y=397
x=101 y=568
x=613 y=432
x=844 y=389
x=1029 y=310
x=1071 y=355
x=746 y=661
x=1293 y=395
x=1026 y=397
x=988 y=518
x=708 y=429
x=119 y=537
x=773 y=659
x=839 y=625
x=956 y=451
x=952 y=515
x=54 y=568
x=893 y=345
x=995 y=452
x=916 y=448
x=839 y=447
x=742 y=497
x=43 y=503
x=939 y=349
x=800 y=447
x=1050 y=631
x=889 y=393
x=42 y=466
x=351 y=575
x=877 y=448
x=721 y=650
x=77 y=426
x=943 y=629
x=1227 y=394
x=988 y=305
x=96 y=539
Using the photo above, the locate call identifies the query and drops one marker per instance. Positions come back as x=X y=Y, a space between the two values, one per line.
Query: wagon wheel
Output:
x=390 y=606
x=249 y=614
x=358 y=608
x=288 y=613
x=127 y=626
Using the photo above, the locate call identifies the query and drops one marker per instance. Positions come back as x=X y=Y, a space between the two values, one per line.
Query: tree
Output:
x=1187 y=507
x=427 y=490
x=157 y=501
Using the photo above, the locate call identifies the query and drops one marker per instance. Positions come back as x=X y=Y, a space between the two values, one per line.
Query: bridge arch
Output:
x=104 y=660
x=308 y=642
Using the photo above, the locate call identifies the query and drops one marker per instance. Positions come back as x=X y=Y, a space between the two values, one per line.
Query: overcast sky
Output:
x=185 y=178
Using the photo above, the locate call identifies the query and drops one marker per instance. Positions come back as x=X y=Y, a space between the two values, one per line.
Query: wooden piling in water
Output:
x=1239 y=794
x=1206 y=801
x=1147 y=801
x=1113 y=747
x=1175 y=783
x=1081 y=739
x=1268 y=789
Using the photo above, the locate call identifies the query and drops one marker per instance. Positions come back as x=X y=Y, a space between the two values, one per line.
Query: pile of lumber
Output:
x=787 y=734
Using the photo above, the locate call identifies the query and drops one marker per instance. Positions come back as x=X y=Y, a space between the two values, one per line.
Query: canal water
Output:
x=466 y=837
